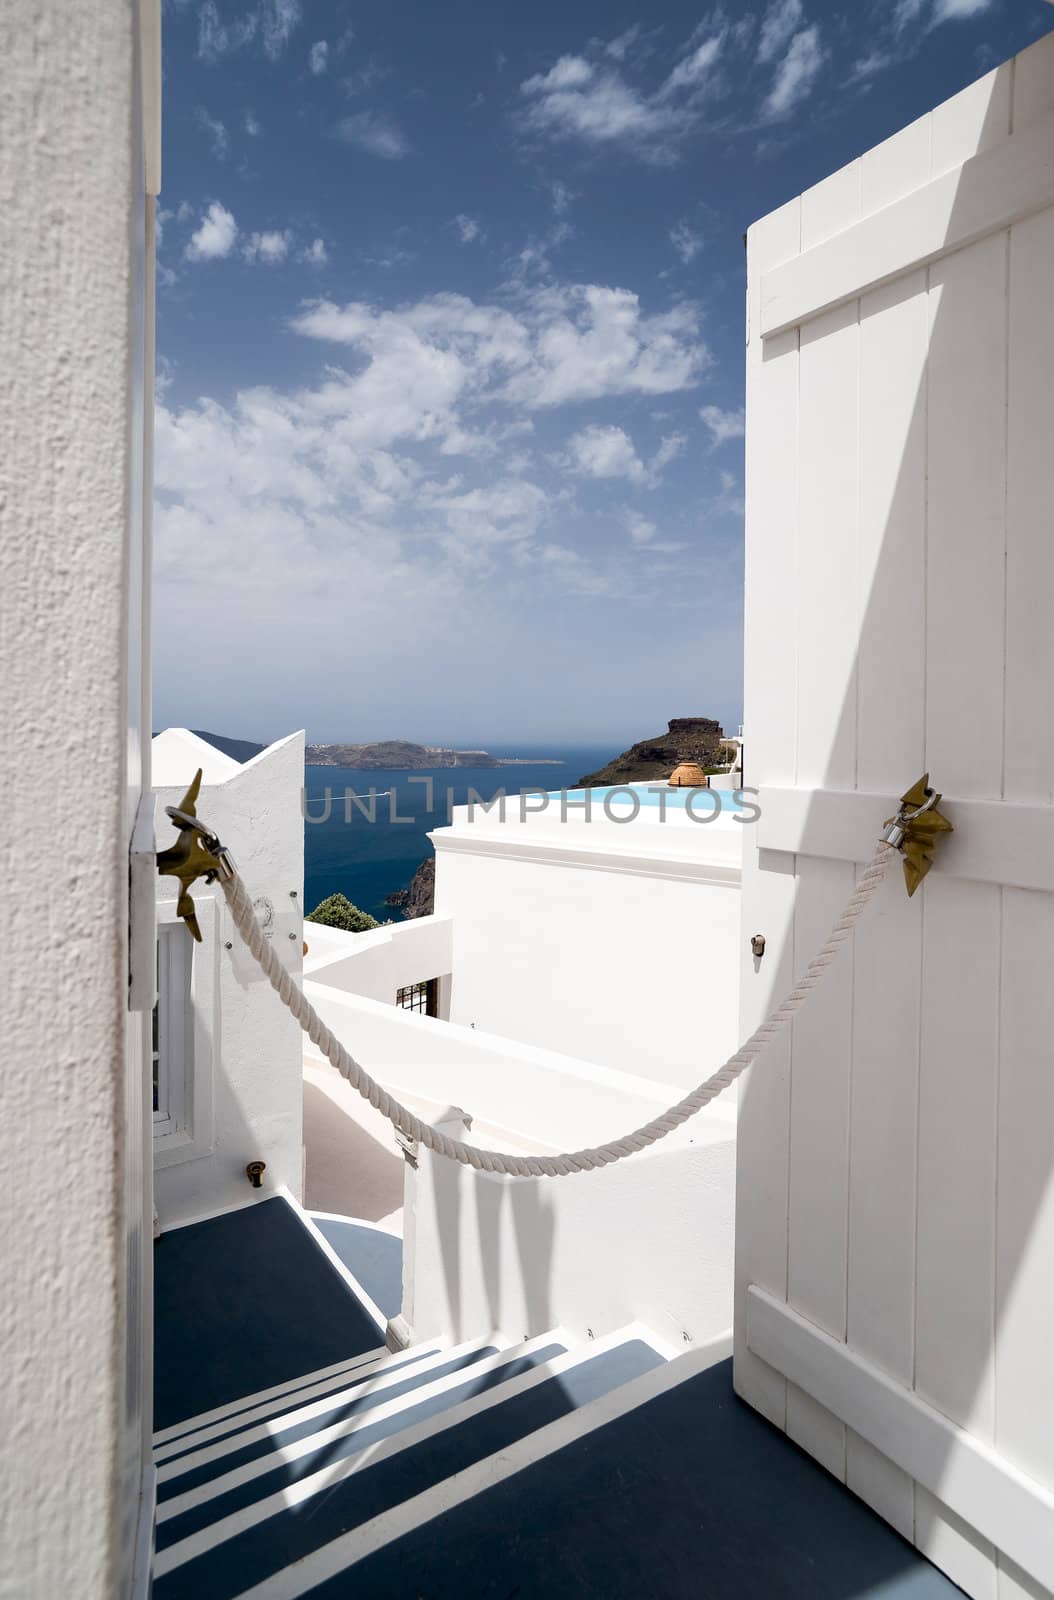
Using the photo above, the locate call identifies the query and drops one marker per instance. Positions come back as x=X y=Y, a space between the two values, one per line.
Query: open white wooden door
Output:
x=895 y=1211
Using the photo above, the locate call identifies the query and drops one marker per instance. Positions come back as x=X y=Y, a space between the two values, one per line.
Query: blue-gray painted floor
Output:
x=242 y=1302
x=375 y=1258
x=254 y=1555
x=690 y=1497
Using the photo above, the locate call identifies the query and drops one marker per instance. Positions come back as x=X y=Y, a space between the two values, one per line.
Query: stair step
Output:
x=255 y=1489
x=201 y=1476
x=305 y=1513
x=242 y=1413
x=245 y=1302
x=686 y=1492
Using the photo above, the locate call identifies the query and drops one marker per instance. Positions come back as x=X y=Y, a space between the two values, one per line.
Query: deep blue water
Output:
x=367 y=860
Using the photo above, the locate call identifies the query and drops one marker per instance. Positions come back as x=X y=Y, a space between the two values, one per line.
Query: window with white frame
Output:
x=173 y=1035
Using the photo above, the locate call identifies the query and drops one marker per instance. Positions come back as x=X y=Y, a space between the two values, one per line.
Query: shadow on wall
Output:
x=347 y=1170
x=511 y=1292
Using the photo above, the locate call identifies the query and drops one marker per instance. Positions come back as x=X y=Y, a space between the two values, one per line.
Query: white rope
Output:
x=559 y=1166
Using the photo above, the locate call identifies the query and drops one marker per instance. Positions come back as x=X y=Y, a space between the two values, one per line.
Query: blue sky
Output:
x=450 y=331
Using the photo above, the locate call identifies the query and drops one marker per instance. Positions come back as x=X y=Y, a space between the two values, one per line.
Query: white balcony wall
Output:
x=648 y=1238
x=895 y=1211
x=244 y=1095
x=379 y=963
x=617 y=942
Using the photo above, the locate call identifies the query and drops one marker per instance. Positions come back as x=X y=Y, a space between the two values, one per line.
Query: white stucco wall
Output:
x=615 y=942
x=247 y=1048
x=71 y=269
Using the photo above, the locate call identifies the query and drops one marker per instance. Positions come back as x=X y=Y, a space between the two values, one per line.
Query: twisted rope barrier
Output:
x=559 y=1166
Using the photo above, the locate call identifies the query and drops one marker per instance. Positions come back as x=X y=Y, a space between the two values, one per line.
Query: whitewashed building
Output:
x=226 y=1067
x=536 y=1397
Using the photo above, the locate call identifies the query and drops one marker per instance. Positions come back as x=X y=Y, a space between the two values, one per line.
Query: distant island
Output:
x=400 y=755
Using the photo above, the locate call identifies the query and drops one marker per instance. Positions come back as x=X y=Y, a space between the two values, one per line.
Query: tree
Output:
x=338 y=912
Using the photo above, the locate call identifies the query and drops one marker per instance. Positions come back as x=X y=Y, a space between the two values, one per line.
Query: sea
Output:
x=369 y=848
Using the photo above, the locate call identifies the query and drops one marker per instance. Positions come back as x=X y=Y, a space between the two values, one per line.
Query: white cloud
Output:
x=594 y=101
x=723 y=425
x=686 y=241
x=508 y=511
x=215 y=129
x=781 y=20
x=414 y=471
x=562 y=344
x=278 y=18
x=619 y=47
x=272 y=21
x=468 y=228
x=572 y=570
x=956 y=10
x=216 y=38
x=270 y=248
x=570 y=72
x=315 y=253
x=252 y=125
x=796 y=74
x=868 y=66
x=609 y=452
x=694 y=68
x=591 y=341
x=376 y=133
x=385 y=469
x=642 y=535
x=215 y=236
x=599 y=452
x=906 y=12
x=670 y=447
x=561 y=197
x=640 y=530
x=318 y=57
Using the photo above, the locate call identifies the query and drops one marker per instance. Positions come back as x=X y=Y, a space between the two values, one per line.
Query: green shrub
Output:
x=338 y=912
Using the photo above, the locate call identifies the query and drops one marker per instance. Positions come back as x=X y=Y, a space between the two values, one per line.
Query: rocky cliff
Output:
x=687 y=739
x=419 y=899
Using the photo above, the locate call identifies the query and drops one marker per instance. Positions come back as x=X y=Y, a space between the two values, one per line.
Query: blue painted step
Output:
x=196 y=1434
x=690 y=1494
x=373 y=1256
x=245 y=1301
x=290 y=1534
x=264 y=1493
x=263 y=1442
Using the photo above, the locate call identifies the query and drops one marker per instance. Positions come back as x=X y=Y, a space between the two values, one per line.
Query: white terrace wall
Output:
x=245 y=1092
x=895 y=1210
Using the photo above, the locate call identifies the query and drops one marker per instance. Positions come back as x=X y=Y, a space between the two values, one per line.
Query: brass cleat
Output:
x=916 y=829
x=197 y=853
